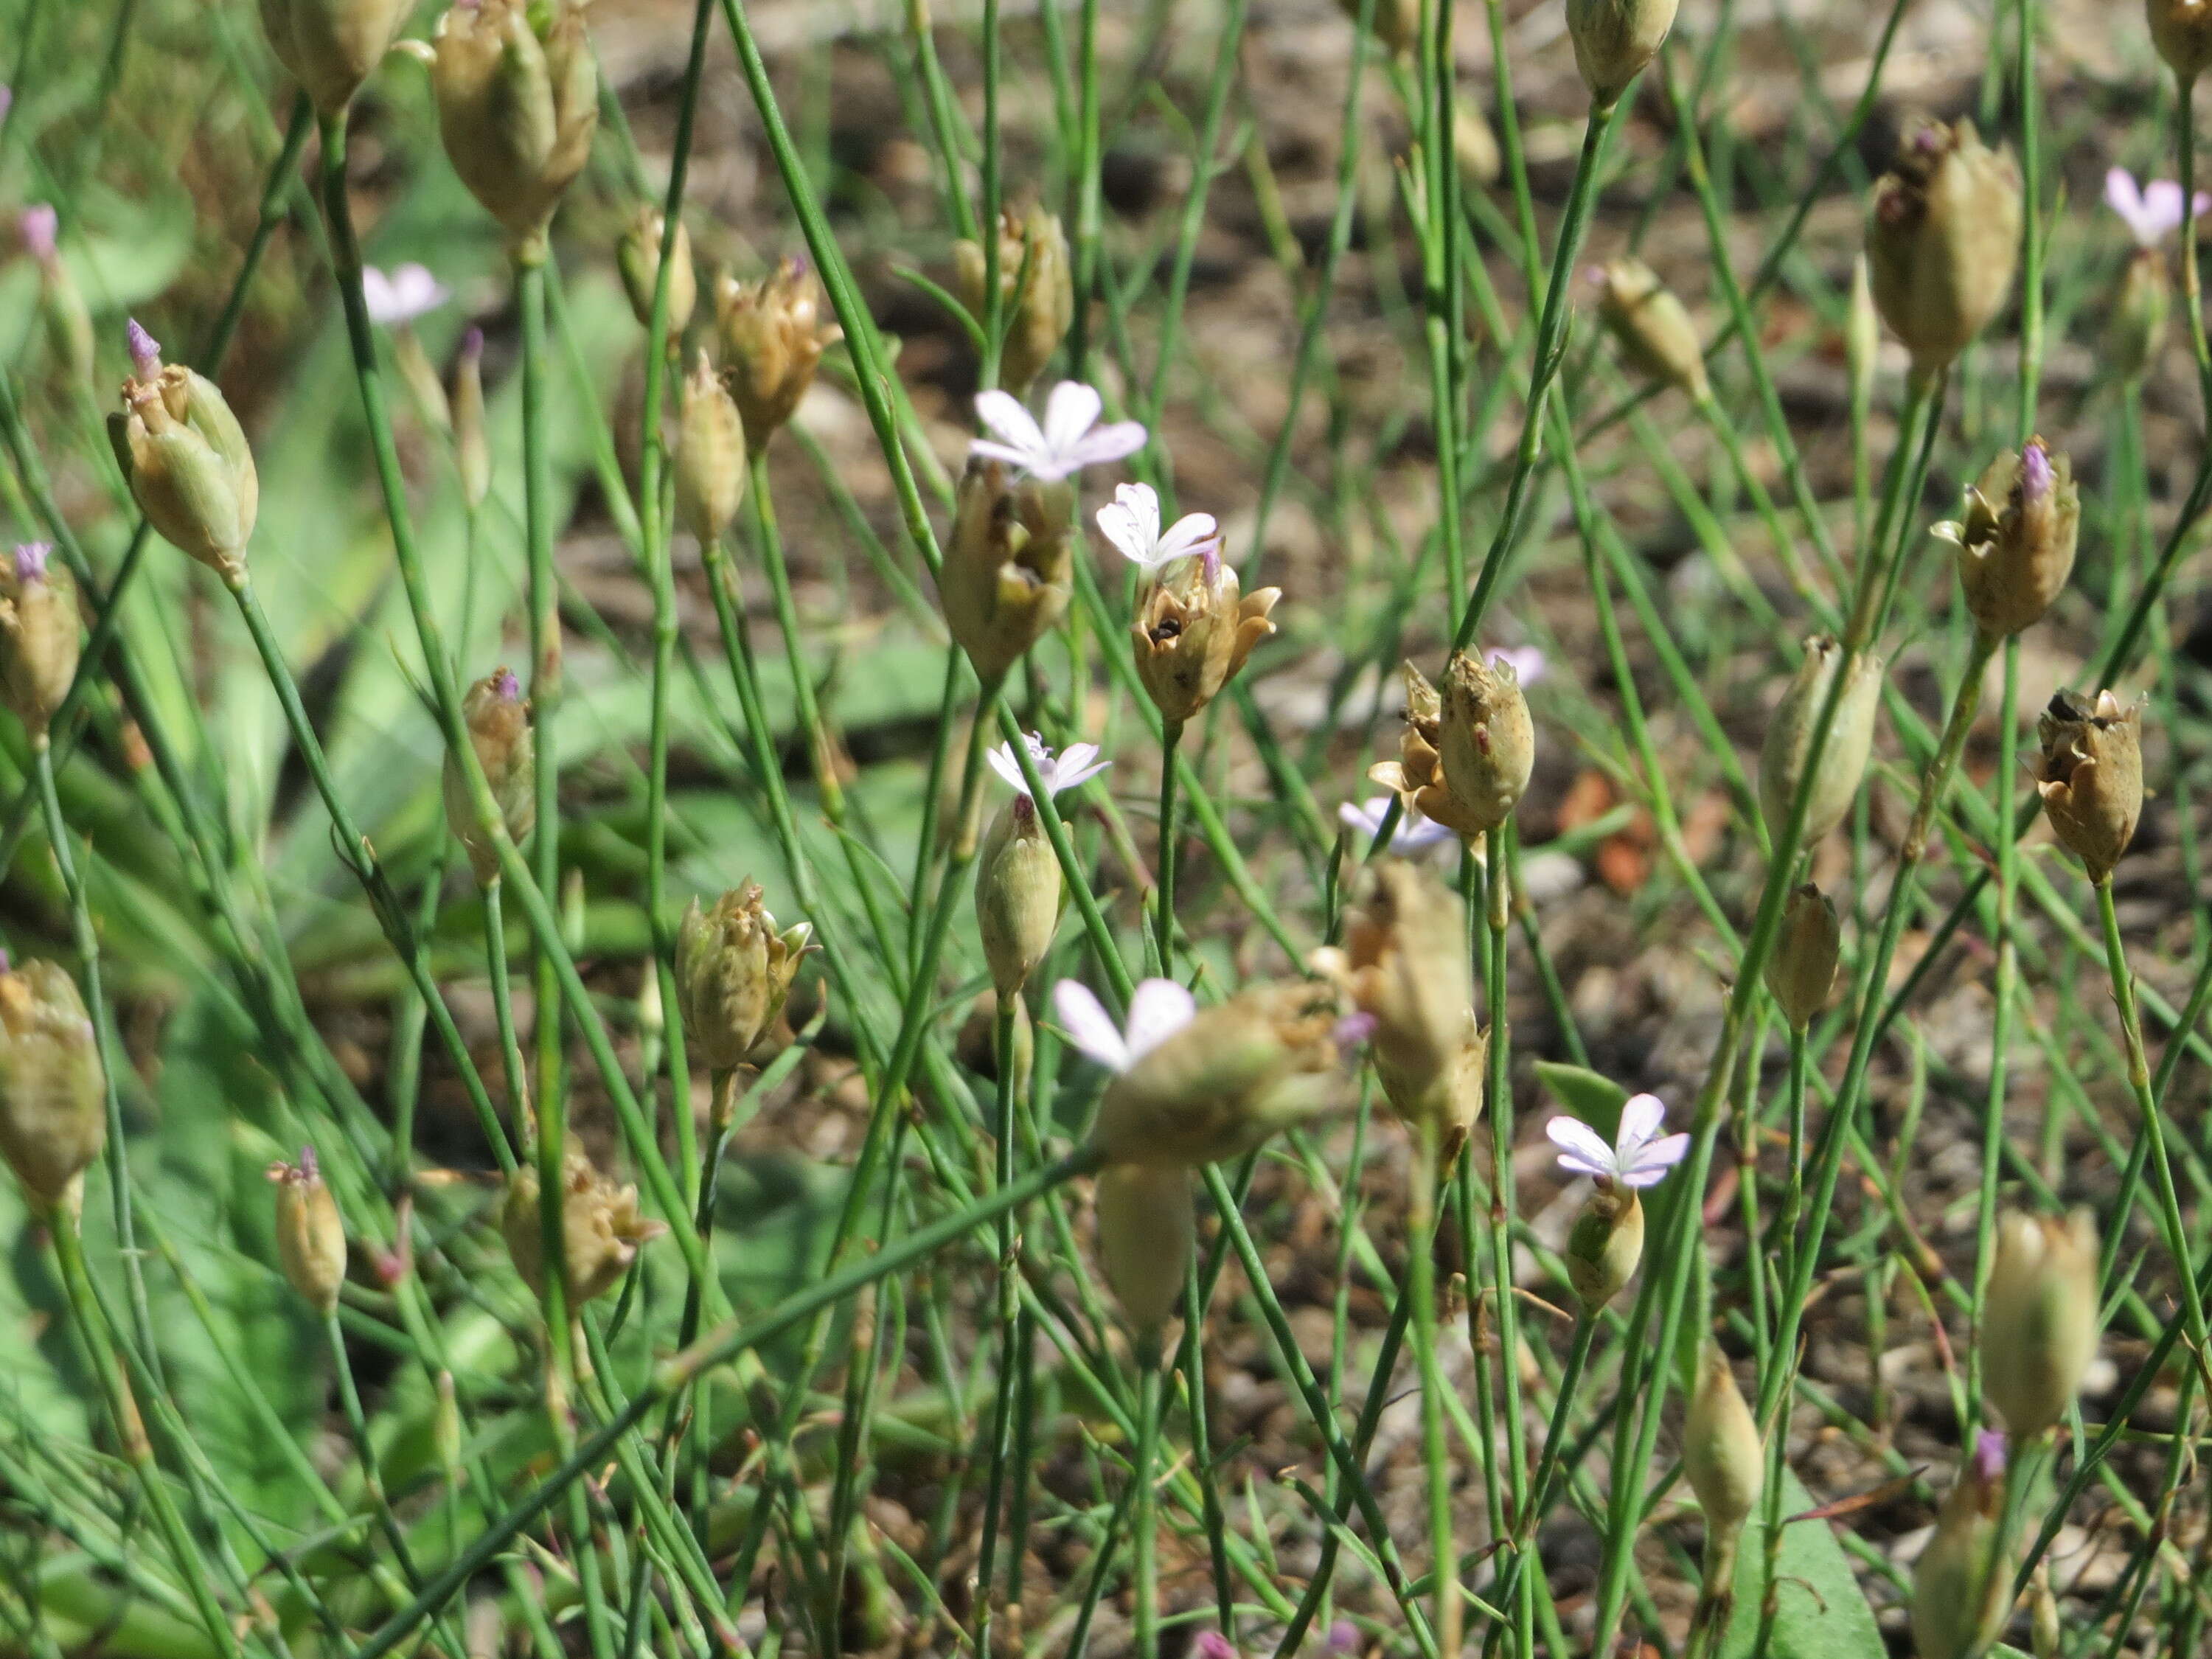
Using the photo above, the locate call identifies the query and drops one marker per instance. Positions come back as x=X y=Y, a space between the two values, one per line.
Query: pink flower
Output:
x=38 y=226
x=1132 y=522
x=1159 y=1009
x=1639 y=1156
x=1077 y=764
x=1414 y=831
x=2153 y=211
x=1070 y=439
x=1528 y=664
x=401 y=297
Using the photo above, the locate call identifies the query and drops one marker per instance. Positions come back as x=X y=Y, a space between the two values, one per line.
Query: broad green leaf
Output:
x=1595 y=1100
x=1822 y=1612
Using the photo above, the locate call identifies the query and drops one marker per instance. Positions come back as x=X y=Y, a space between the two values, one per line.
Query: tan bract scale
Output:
x=1782 y=760
x=601 y=1229
x=1614 y=40
x=1943 y=240
x=1037 y=290
x=518 y=105
x=638 y=256
x=499 y=733
x=331 y=47
x=53 y=1090
x=710 y=455
x=1194 y=632
x=2091 y=780
x=1654 y=331
x=773 y=336
x=1008 y=571
x=733 y=973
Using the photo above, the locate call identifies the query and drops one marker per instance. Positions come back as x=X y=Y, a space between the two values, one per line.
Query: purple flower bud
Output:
x=1213 y=1644
x=31 y=561
x=38 y=226
x=1343 y=1637
x=505 y=686
x=307 y=1165
x=1353 y=1030
x=472 y=346
x=1989 y=1456
x=6 y=966
x=2034 y=471
x=145 y=352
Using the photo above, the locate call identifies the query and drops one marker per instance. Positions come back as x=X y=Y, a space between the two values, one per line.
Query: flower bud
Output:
x=1605 y=1245
x=1193 y=633
x=499 y=731
x=331 y=47
x=1018 y=894
x=518 y=97
x=638 y=255
x=1474 y=146
x=1943 y=240
x=1800 y=970
x=472 y=447
x=1487 y=741
x=1613 y=40
x=1961 y=1591
x=772 y=339
x=2136 y=327
x=1404 y=964
x=1008 y=569
x=734 y=970
x=1654 y=331
x=186 y=457
x=1861 y=335
x=1789 y=744
x=1396 y=23
x=423 y=385
x=2039 y=1323
x=1036 y=291
x=1417 y=776
x=2182 y=31
x=1261 y=1061
x=53 y=1091
x=2092 y=776
x=1146 y=1229
x=2017 y=541
x=710 y=456
x=601 y=1229
x=1721 y=1450
x=311 y=1241
x=38 y=634
x=61 y=301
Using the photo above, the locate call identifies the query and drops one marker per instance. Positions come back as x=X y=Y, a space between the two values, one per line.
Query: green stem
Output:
x=1163 y=921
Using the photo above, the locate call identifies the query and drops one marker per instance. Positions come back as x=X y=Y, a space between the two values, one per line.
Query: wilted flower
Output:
x=1943 y=242
x=1191 y=1086
x=1008 y=571
x=311 y=1240
x=1800 y=970
x=190 y=470
x=638 y=256
x=517 y=95
x=498 y=719
x=1486 y=738
x=710 y=455
x=53 y=1090
x=1654 y=333
x=1132 y=522
x=601 y=1229
x=331 y=47
x=1961 y=1591
x=773 y=337
x=2092 y=776
x=1017 y=880
x=1194 y=632
x=1070 y=439
x=733 y=971
x=1145 y=1230
x=38 y=635
x=1613 y=39
x=2017 y=541
x=1034 y=285
x=1789 y=747
x=2182 y=29
x=2039 y=1321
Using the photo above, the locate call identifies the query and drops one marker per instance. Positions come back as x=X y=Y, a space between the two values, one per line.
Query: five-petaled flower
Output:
x=2153 y=211
x=1639 y=1156
x=1077 y=764
x=1132 y=522
x=1070 y=439
x=408 y=292
x=1157 y=1010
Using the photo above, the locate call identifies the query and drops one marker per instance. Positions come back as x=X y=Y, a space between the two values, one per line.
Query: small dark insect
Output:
x=1168 y=629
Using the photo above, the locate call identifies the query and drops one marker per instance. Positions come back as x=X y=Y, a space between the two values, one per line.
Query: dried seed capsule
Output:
x=638 y=257
x=499 y=731
x=1654 y=331
x=1222 y=1084
x=2182 y=31
x=710 y=456
x=1943 y=240
x=1721 y=1449
x=518 y=97
x=1487 y=741
x=1009 y=565
x=1018 y=894
x=38 y=635
x=1800 y=970
x=1146 y=1229
x=2039 y=1323
x=1605 y=1245
x=601 y=1229
x=773 y=336
x=1193 y=633
x=190 y=470
x=1961 y=1591
x=1613 y=40
x=733 y=972
x=1037 y=290
x=2091 y=778
x=2017 y=541
x=2137 y=330
x=311 y=1240
x=1417 y=776
x=1843 y=760
x=53 y=1090
x=331 y=47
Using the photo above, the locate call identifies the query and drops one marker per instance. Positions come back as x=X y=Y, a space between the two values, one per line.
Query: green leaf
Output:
x=1822 y=1612
x=1595 y=1100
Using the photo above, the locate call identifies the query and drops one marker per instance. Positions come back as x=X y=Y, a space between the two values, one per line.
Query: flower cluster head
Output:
x=190 y=467
x=2091 y=780
x=773 y=333
x=1654 y=329
x=39 y=626
x=53 y=1090
x=734 y=969
x=517 y=95
x=2182 y=31
x=1613 y=39
x=331 y=47
x=400 y=297
x=1036 y=289
x=311 y=1240
x=1961 y=1592
x=1605 y=1244
x=2136 y=322
x=638 y=257
x=1787 y=754
x=1017 y=879
x=602 y=1228
x=1943 y=240
x=1468 y=750
x=2016 y=539
x=498 y=719
x=1069 y=439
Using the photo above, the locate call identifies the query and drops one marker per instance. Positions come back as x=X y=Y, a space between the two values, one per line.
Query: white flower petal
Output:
x=1106 y=443
x=1088 y=1026
x=2162 y=210
x=1188 y=534
x=1416 y=831
x=1159 y=1009
x=1069 y=413
x=1367 y=817
x=1582 y=1149
x=1132 y=522
x=1078 y=763
x=1652 y=1160
x=1528 y=664
x=1015 y=426
x=1004 y=763
x=378 y=296
x=1642 y=1117
x=1012 y=456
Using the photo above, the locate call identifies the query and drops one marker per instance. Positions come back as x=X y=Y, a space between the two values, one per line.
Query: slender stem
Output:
x=1421 y=1228
x=1143 y=1532
x=502 y=1013
x=1163 y=921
